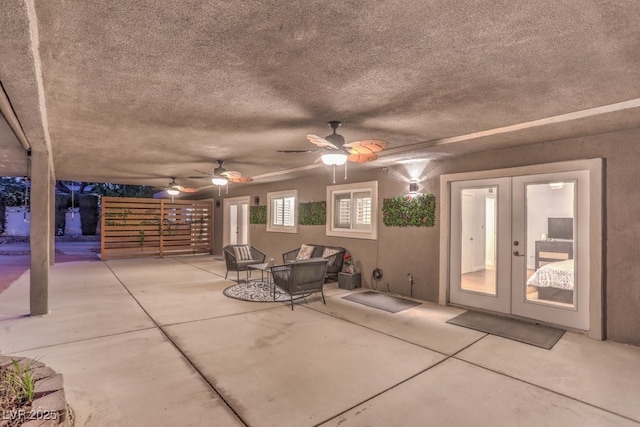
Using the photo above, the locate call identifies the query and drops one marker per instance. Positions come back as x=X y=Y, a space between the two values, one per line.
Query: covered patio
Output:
x=151 y=342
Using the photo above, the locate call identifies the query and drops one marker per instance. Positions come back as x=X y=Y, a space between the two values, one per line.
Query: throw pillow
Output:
x=328 y=252
x=243 y=253
x=305 y=252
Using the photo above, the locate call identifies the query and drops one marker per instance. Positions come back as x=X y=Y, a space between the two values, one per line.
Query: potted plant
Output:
x=348 y=264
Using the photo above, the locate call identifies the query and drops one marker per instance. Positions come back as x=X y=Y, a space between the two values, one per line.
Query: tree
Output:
x=122 y=190
x=15 y=192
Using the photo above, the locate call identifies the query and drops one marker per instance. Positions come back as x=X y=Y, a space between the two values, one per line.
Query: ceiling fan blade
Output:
x=320 y=142
x=362 y=157
x=296 y=151
x=241 y=179
x=173 y=185
x=202 y=175
x=367 y=146
x=234 y=176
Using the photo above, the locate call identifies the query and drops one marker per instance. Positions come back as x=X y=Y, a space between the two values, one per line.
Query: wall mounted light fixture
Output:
x=256 y=200
x=413 y=187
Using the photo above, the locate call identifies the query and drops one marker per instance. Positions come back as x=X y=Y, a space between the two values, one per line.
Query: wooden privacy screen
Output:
x=155 y=227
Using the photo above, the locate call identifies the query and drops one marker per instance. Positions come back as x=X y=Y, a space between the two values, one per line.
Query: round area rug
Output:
x=258 y=292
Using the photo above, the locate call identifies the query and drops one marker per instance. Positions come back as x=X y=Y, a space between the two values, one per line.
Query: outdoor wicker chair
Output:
x=239 y=257
x=300 y=278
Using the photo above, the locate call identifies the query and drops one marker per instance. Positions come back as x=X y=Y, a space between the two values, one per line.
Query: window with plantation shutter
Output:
x=352 y=209
x=281 y=215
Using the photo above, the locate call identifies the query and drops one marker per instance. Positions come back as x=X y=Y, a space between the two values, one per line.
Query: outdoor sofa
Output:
x=333 y=254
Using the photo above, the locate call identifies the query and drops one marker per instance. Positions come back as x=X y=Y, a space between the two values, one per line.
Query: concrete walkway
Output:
x=15 y=259
x=154 y=342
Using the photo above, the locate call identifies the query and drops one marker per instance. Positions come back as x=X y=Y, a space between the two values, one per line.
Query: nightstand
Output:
x=553 y=250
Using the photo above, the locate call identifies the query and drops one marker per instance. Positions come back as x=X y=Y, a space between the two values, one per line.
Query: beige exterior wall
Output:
x=399 y=251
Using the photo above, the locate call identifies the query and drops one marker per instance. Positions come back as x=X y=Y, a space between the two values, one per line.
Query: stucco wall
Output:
x=399 y=251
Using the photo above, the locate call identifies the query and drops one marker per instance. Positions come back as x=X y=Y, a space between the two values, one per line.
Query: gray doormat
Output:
x=382 y=301
x=517 y=330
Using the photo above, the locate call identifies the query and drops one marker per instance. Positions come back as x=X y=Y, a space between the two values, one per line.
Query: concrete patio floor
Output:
x=154 y=342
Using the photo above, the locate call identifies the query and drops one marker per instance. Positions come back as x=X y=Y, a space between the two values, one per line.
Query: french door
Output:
x=519 y=246
x=236 y=221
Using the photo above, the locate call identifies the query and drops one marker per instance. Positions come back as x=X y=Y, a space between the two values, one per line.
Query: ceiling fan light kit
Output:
x=219 y=180
x=334 y=159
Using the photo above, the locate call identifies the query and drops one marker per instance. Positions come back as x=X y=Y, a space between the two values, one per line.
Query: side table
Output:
x=348 y=280
x=265 y=267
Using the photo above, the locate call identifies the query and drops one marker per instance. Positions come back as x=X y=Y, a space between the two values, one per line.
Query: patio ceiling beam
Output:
x=12 y=120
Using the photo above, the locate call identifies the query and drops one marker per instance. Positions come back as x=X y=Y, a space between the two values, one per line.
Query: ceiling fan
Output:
x=221 y=176
x=336 y=152
x=173 y=189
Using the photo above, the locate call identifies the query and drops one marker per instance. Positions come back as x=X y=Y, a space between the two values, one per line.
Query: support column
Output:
x=40 y=232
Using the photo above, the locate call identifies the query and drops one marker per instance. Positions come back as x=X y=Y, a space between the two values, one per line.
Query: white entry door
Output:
x=539 y=232
x=236 y=221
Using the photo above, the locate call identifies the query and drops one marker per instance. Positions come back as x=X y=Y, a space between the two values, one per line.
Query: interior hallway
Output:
x=154 y=342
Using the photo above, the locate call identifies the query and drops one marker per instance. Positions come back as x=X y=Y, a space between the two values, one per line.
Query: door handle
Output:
x=516 y=253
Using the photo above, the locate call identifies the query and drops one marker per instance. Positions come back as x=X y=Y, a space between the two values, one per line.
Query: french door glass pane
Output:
x=550 y=225
x=479 y=240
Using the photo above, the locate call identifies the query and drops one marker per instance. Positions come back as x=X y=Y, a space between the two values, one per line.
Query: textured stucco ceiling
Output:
x=136 y=92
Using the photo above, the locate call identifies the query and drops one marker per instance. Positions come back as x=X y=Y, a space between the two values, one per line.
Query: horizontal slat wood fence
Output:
x=155 y=227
